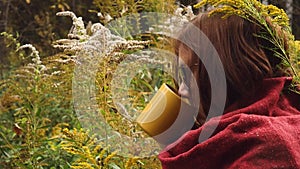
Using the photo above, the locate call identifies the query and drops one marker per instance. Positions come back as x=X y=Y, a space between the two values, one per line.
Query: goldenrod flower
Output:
x=273 y=20
x=110 y=156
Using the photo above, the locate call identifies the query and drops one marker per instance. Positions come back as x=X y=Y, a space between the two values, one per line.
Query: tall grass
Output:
x=39 y=125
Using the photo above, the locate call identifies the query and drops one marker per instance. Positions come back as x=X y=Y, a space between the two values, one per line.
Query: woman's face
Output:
x=187 y=72
x=189 y=81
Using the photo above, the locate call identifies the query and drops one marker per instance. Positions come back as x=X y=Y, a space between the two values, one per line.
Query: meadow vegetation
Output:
x=40 y=127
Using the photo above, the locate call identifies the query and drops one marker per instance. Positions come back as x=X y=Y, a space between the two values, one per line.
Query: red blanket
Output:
x=265 y=133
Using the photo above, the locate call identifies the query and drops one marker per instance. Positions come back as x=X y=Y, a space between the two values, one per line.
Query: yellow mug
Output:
x=166 y=111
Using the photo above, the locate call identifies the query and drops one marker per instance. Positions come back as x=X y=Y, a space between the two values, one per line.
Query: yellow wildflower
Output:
x=110 y=156
x=130 y=162
x=273 y=20
x=82 y=165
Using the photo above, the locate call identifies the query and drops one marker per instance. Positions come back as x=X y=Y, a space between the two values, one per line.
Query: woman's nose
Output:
x=183 y=90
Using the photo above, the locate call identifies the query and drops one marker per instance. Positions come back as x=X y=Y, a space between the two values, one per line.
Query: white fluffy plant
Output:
x=98 y=54
x=101 y=38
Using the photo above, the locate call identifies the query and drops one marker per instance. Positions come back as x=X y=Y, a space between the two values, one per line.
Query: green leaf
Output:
x=114 y=166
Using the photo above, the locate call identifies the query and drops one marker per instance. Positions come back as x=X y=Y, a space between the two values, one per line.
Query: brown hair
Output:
x=245 y=58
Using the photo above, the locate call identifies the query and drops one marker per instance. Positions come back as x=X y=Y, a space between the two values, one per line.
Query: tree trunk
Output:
x=289 y=10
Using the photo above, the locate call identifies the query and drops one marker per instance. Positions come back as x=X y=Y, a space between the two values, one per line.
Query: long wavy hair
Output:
x=247 y=58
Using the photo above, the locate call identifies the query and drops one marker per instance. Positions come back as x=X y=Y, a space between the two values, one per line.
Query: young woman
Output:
x=260 y=125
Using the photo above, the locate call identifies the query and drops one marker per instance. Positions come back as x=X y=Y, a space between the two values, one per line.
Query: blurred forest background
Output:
x=38 y=126
x=35 y=22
